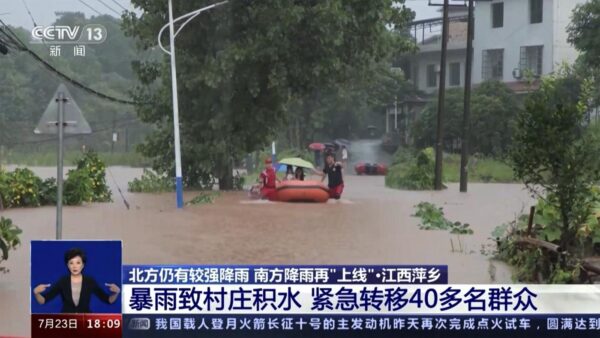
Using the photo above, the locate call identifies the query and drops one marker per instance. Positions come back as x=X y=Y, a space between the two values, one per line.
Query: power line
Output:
x=60 y=74
x=29 y=12
x=107 y=6
x=90 y=7
x=118 y=4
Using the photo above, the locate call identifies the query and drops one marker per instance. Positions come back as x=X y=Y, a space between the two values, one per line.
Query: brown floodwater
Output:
x=370 y=225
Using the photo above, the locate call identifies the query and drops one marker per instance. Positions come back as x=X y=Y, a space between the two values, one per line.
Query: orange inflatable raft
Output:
x=302 y=191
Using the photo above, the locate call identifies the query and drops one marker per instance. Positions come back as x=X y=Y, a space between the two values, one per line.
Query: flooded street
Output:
x=370 y=225
x=368 y=151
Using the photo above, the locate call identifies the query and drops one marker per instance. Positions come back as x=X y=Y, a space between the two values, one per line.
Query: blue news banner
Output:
x=345 y=301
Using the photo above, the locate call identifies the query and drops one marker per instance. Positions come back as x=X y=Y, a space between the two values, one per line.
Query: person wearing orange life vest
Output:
x=268 y=181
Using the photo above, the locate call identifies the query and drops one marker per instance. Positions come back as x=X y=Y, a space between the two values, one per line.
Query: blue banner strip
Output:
x=281 y=274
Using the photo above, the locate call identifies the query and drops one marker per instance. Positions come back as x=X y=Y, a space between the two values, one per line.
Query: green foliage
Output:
x=432 y=218
x=150 y=182
x=86 y=183
x=583 y=32
x=539 y=265
x=48 y=191
x=9 y=239
x=417 y=174
x=78 y=187
x=26 y=88
x=481 y=169
x=91 y=163
x=20 y=189
x=553 y=150
x=4 y=184
x=493 y=110
x=203 y=198
x=258 y=60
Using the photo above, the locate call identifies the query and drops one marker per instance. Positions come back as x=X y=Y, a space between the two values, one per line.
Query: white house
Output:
x=423 y=68
x=516 y=38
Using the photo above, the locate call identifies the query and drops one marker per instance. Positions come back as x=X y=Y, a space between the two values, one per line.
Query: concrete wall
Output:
x=516 y=32
x=423 y=59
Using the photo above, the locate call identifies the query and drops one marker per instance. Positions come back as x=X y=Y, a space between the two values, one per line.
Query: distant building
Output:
x=423 y=68
x=515 y=39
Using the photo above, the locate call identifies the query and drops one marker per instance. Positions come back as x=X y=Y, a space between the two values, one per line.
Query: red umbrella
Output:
x=316 y=146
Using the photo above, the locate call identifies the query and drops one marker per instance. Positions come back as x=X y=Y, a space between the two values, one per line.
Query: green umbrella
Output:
x=297 y=162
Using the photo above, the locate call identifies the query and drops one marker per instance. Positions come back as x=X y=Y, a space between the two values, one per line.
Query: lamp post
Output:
x=172 y=35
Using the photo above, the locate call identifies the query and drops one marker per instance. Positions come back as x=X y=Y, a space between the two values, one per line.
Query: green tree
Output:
x=583 y=31
x=552 y=149
x=242 y=65
x=493 y=110
x=26 y=87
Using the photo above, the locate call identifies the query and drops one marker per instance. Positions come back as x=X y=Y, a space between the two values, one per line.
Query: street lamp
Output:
x=172 y=35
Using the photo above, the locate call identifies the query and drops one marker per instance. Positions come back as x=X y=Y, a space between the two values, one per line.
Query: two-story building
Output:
x=517 y=39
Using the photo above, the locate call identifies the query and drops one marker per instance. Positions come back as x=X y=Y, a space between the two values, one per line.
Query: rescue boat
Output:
x=302 y=191
x=370 y=168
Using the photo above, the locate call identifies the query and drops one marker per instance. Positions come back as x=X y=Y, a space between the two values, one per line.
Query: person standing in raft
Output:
x=333 y=171
x=268 y=181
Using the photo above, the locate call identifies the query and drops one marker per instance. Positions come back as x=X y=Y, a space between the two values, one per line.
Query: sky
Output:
x=14 y=12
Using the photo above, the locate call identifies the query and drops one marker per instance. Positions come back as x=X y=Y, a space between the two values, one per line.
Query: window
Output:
x=531 y=59
x=431 y=76
x=536 y=11
x=498 y=15
x=455 y=74
x=493 y=64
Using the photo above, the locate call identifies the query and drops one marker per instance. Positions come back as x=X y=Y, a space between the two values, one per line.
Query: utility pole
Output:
x=441 y=98
x=464 y=155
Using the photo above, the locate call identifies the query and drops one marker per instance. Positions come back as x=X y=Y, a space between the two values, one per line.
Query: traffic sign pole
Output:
x=61 y=100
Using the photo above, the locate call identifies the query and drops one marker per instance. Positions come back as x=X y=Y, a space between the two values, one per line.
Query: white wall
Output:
x=424 y=59
x=563 y=51
x=516 y=32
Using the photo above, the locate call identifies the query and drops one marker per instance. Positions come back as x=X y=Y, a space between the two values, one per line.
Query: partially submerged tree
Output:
x=240 y=65
x=553 y=150
x=493 y=110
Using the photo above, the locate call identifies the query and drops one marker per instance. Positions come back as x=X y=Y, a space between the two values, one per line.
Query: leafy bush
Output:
x=4 y=178
x=21 y=189
x=96 y=169
x=417 y=174
x=150 y=182
x=432 y=218
x=9 y=239
x=48 y=190
x=536 y=265
x=554 y=151
x=78 y=187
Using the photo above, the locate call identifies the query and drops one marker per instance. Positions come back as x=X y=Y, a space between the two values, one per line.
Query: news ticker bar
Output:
x=76 y=325
x=175 y=326
x=360 y=299
x=266 y=326
x=295 y=274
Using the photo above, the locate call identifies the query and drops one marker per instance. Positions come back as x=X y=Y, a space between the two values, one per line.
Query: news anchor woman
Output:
x=75 y=288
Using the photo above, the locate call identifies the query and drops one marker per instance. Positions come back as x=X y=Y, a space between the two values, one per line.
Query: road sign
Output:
x=61 y=116
x=74 y=122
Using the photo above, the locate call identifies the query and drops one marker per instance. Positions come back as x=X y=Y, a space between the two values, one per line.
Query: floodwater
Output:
x=370 y=225
x=368 y=151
